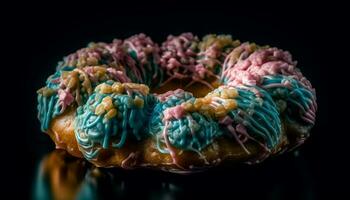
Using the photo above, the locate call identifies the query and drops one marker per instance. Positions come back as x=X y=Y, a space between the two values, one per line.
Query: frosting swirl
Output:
x=114 y=113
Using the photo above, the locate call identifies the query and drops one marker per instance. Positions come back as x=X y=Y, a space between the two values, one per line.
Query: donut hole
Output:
x=198 y=89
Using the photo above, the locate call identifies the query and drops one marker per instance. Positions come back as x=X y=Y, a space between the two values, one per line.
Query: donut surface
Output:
x=183 y=106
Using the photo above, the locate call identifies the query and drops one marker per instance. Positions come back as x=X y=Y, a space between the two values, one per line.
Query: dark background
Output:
x=43 y=34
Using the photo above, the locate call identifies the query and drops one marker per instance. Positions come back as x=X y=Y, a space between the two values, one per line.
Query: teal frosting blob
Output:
x=257 y=112
x=48 y=106
x=94 y=132
x=193 y=131
x=297 y=102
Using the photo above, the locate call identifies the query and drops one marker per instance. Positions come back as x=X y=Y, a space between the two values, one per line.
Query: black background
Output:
x=43 y=34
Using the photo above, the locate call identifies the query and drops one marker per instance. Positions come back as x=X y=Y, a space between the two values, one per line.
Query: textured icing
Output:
x=49 y=102
x=213 y=50
x=182 y=122
x=256 y=118
x=192 y=131
x=249 y=69
x=184 y=56
x=71 y=86
x=79 y=73
x=108 y=84
x=294 y=99
x=189 y=132
x=146 y=55
x=112 y=116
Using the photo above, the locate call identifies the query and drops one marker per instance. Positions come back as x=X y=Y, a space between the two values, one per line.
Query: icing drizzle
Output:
x=108 y=83
x=190 y=123
x=294 y=99
x=113 y=113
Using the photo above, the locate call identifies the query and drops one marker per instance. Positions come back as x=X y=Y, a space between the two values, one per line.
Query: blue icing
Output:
x=147 y=71
x=192 y=132
x=258 y=114
x=92 y=130
x=294 y=100
x=204 y=129
x=48 y=106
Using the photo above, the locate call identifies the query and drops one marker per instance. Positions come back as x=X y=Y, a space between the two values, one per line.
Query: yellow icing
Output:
x=134 y=86
x=207 y=105
x=138 y=102
x=118 y=88
x=220 y=41
x=106 y=105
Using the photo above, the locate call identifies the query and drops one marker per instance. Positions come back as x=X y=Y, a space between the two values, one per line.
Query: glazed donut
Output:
x=182 y=107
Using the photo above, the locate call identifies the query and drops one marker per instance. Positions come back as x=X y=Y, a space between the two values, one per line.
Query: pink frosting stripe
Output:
x=263 y=62
x=164 y=97
x=143 y=46
x=65 y=98
x=179 y=59
x=240 y=52
x=175 y=112
x=120 y=57
x=118 y=75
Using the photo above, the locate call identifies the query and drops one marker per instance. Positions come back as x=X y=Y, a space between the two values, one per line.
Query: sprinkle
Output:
x=99 y=110
x=46 y=92
x=176 y=112
x=117 y=88
x=65 y=98
x=188 y=106
x=107 y=102
x=73 y=79
x=111 y=113
x=105 y=106
x=232 y=93
x=105 y=88
x=220 y=41
x=138 y=102
x=230 y=104
x=139 y=87
x=92 y=61
x=198 y=103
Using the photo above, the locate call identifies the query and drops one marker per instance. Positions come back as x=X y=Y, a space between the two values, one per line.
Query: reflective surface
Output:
x=61 y=176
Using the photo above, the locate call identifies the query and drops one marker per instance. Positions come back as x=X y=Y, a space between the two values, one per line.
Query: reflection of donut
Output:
x=63 y=177
x=181 y=107
x=59 y=176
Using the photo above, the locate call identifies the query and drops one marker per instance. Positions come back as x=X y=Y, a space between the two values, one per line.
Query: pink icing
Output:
x=65 y=98
x=169 y=147
x=241 y=136
x=263 y=62
x=164 y=97
x=90 y=72
x=143 y=46
x=227 y=120
x=115 y=74
x=118 y=75
x=114 y=53
x=175 y=112
x=121 y=58
x=130 y=161
x=176 y=51
x=242 y=51
x=179 y=59
x=210 y=57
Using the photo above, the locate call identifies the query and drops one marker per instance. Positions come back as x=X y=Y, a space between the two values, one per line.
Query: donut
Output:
x=183 y=106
